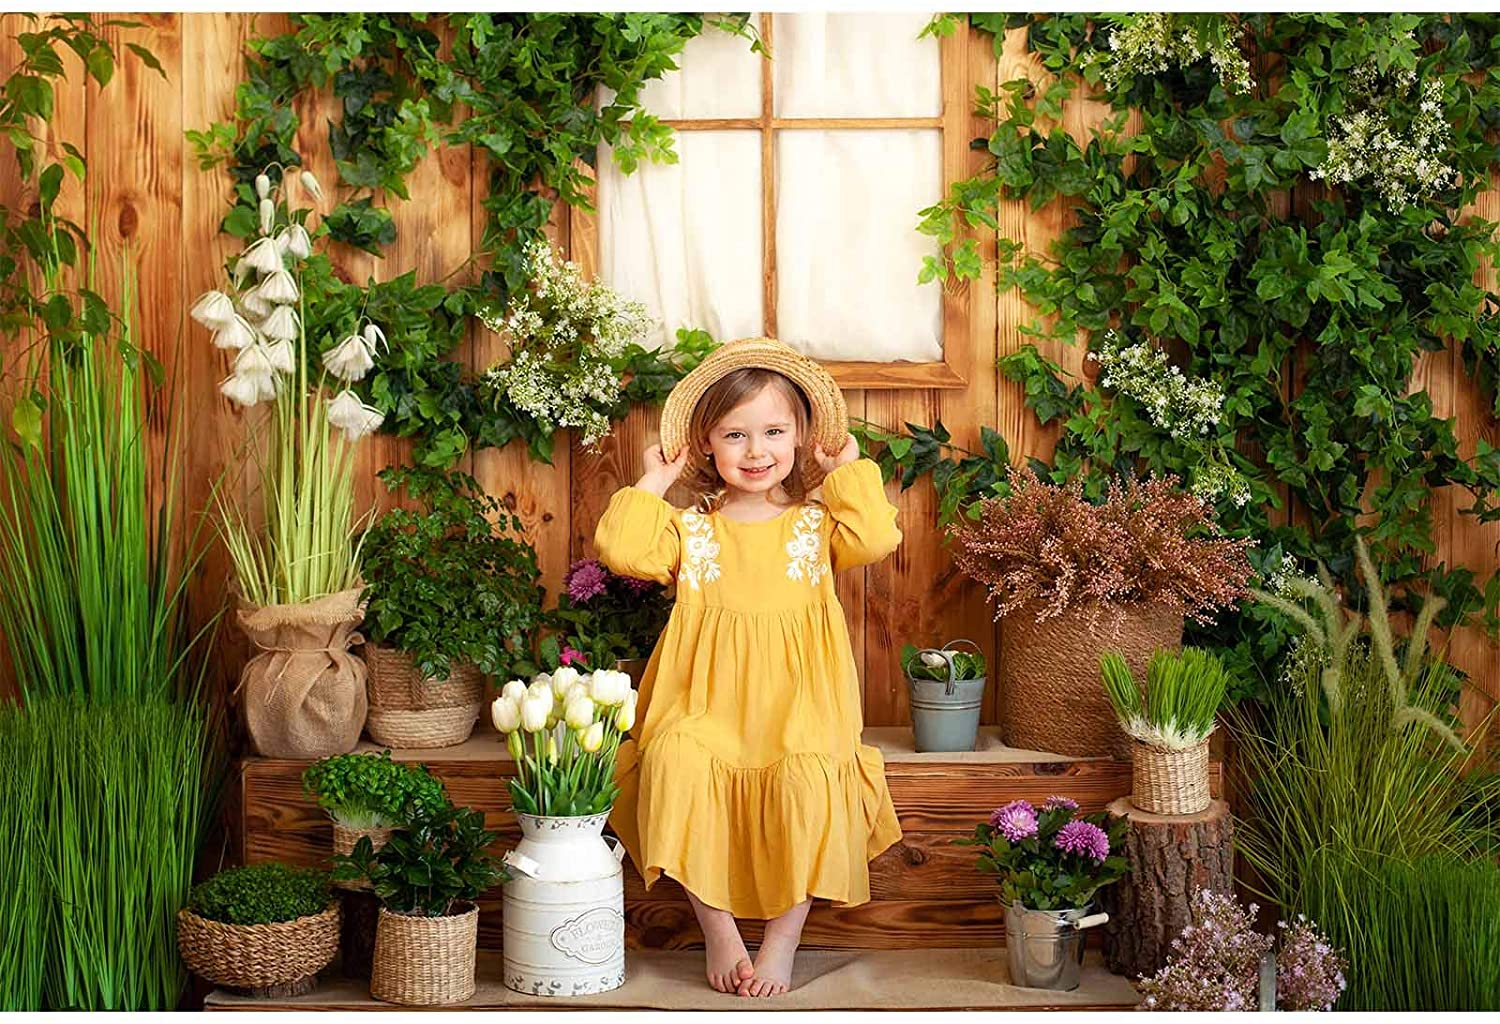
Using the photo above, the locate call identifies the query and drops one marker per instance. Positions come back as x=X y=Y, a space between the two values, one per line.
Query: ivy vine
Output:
x=1268 y=242
x=526 y=85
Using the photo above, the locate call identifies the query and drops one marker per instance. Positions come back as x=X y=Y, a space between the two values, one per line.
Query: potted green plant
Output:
x=1169 y=725
x=370 y=795
x=1071 y=579
x=427 y=877
x=263 y=930
x=946 y=687
x=453 y=594
x=605 y=620
x=1050 y=861
x=567 y=893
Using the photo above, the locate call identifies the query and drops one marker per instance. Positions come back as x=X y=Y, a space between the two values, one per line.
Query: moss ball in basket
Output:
x=264 y=930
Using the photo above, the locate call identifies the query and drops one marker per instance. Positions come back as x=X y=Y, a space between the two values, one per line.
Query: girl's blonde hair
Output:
x=724 y=396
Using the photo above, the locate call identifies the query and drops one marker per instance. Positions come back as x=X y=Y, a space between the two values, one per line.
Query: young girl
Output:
x=746 y=781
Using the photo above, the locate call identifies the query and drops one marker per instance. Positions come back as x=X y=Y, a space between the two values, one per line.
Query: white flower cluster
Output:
x=260 y=323
x=564 y=331
x=1187 y=408
x=1404 y=167
x=1148 y=44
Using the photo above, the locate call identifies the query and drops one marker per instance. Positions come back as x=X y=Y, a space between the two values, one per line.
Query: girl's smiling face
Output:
x=754 y=446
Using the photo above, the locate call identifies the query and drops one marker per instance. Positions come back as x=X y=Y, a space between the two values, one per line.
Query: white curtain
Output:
x=685 y=238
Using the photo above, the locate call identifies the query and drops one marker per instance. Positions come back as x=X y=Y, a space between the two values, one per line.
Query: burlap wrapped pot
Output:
x=409 y=710
x=1051 y=696
x=303 y=690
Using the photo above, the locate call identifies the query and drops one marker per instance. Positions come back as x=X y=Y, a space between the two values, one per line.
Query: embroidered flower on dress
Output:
x=804 y=549
x=700 y=562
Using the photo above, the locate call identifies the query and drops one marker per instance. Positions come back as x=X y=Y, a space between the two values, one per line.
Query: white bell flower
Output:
x=243 y=391
x=237 y=334
x=349 y=360
x=255 y=307
x=295 y=241
x=213 y=310
x=281 y=324
x=282 y=355
x=280 y=287
x=311 y=184
x=263 y=255
x=374 y=336
x=355 y=418
x=267 y=216
x=253 y=361
x=262 y=186
x=506 y=714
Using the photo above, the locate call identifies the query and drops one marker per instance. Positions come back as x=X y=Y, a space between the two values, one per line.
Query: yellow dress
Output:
x=745 y=779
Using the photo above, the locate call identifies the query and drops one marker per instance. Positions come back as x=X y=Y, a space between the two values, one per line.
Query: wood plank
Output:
x=880 y=924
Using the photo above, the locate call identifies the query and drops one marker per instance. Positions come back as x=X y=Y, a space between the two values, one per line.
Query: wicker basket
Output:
x=258 y=956
x=408 y=710
x=1050 y=691
x=344 y=839
x=1170 y=781
x=425 y=961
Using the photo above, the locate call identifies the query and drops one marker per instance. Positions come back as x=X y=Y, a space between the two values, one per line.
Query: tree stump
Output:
x=1171 y=857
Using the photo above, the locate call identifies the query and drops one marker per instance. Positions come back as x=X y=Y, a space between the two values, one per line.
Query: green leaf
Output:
x=26 y=418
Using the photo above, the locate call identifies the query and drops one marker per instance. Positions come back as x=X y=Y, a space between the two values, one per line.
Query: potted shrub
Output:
x=263 y=930
x=1169 y=725
x=1072 y=579
x=605 y=620
x=946 y=688
x=565 y=904
x=427 y=877
x=370 y=795
x=1049 y=861
x=296 y=563
x=453 y=594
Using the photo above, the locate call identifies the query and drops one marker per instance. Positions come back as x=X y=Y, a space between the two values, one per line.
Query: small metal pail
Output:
x=945 y=713
x=1045 y=947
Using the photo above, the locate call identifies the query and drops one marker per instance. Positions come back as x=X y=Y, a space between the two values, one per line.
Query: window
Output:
x=792 y=209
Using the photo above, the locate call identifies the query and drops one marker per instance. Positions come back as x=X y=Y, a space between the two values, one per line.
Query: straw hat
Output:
x=830 y=417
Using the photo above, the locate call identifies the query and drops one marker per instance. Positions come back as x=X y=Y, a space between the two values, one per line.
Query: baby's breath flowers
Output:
x=565 y=333
x=1149 y=44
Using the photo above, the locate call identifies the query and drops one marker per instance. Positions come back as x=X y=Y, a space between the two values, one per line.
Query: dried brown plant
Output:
x=1148 y=543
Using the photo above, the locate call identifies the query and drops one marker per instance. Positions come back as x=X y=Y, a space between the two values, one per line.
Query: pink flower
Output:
x=570 y=657
x=585 y=580
x=1016 y=820
x=1083 y=838
x=1052 y=803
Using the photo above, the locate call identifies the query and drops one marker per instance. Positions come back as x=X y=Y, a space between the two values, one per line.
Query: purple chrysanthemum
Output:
x=1054 y=802
x=1016 y=820
x=636 y=586
x=1083 y=838
x=585 y=580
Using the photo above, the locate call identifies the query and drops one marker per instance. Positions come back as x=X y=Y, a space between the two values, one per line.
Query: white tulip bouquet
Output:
x=309 y=544
x=564 y=730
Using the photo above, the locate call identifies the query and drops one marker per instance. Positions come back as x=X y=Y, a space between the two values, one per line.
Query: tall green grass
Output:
x=1422 y=934
x=1181 y=699
x=23 y=903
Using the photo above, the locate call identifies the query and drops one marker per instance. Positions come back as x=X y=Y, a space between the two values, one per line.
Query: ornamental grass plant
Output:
x=1181 y=701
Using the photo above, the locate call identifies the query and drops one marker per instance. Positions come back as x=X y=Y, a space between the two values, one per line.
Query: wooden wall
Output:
x=145 y=196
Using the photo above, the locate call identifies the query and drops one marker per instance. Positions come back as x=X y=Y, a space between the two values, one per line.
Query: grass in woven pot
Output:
x=1182 y=696
x=365 y=791
x=261 y=894
x=454 y=580
x=432 y=867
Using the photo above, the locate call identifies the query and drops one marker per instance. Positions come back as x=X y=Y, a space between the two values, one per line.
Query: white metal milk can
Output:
x=564 y=908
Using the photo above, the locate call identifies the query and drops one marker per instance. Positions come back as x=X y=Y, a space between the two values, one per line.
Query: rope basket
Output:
x=257 y=956
x=409 y=710
x=1170 y=781
x=425 y=961
x=1051 y=695
x=344 y=840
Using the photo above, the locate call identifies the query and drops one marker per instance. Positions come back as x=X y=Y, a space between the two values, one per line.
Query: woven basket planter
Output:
x=425 y=961
x=409 y=710
x=1051 y=695
x=344 y=839
x=260 y=959
x=1170 y=781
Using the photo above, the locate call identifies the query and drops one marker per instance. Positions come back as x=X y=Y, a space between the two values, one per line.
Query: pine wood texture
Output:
x=1171 y=858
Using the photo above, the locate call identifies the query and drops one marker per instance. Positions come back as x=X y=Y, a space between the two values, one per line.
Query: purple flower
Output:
x=635 y=586
x=1016 y=820
x=1083 y=838
x=585 y=580
x=1054 y=802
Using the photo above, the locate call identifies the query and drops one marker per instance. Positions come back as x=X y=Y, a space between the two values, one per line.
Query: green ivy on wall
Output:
x=1288 y=239
x=520 y=89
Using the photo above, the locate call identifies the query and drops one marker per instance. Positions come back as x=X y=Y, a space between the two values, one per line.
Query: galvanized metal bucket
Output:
x=945 y=713
x=1045 y=947
x=564 y=908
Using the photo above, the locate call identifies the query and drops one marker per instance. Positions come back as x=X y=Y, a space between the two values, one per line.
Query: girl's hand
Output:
x=657 y=474
x=844 y=456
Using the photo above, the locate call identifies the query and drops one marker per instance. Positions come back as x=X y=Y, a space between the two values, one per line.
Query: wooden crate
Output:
x=925 y=891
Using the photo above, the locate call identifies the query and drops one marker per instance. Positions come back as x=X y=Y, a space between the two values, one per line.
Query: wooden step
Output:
x=926 y=979
x=925 y=891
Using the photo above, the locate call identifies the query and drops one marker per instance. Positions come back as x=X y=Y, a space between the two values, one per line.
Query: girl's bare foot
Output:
x=778 y=949
x=729 y=964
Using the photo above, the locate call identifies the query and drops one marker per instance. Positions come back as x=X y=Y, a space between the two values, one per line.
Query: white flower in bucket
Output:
x=609 y=687
x=349 y=360
x=579 y=713
x=506 y=714
x=214 y=310
x=625 y=716
x=592 y=738
x=534 y=711
x=353 y=417
x=263 y=186
x=564 y=679
x=515 y=690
